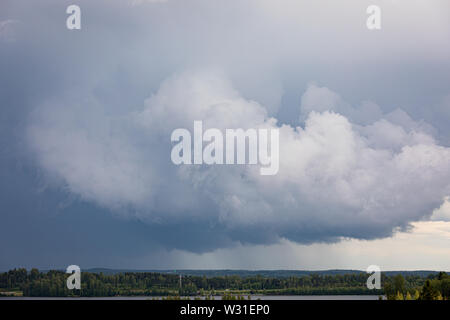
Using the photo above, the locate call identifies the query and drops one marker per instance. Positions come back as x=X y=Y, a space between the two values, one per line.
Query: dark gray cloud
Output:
x=85 y=114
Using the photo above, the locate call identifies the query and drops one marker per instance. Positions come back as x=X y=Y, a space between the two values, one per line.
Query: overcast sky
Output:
x=85 y=170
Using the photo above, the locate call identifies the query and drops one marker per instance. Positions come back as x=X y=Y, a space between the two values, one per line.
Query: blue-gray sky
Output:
x=86 y=176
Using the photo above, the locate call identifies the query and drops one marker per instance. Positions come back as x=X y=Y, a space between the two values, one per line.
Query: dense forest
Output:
x=53 y=284
x=434 y=288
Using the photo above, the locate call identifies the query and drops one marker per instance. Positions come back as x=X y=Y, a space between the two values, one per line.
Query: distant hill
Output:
x=262 y=273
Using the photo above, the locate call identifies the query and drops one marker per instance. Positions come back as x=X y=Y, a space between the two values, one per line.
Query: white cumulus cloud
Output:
x=338 y=177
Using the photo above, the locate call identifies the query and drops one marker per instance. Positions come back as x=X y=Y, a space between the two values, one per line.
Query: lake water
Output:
x=253 y=297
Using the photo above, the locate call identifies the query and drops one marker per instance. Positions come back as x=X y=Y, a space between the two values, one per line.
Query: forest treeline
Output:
x=435 y=287
x=53 y=284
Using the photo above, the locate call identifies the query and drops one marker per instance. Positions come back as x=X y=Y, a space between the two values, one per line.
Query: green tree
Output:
x=445 y=288
x=429 y=292
x=399 y=284
x=442 y=275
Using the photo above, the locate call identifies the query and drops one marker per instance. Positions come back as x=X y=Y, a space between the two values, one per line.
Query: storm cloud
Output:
x=363 y=116
x=336 y=178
